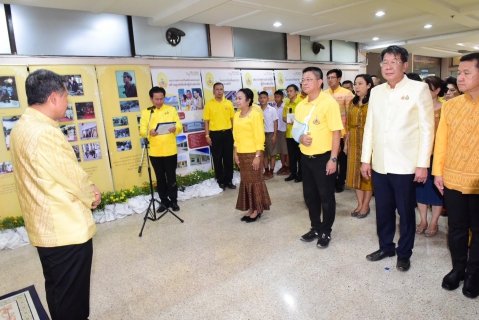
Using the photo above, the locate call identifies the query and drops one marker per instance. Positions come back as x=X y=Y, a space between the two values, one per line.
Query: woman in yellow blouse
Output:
x=353 y=144
x=248 y=133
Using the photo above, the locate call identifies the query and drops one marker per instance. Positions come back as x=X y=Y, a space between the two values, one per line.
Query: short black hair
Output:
x=41 y=83
x=295 y=87
x=338 y=73
x=218 y=84
x=413 y=76
x=249 y=95
x=263 y=92
x=450 y=80
x=435 y=83
x=471 y=57
x=157 y=90
x=348 y=82
x=316 y=71
x=279 y=92
x=395 y=50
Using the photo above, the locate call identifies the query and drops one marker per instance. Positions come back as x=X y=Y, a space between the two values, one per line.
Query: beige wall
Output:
x=221 y=41
x=293 y=47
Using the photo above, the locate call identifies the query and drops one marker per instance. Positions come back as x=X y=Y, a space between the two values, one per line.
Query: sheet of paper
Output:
x=290 y=117
x=164 y=127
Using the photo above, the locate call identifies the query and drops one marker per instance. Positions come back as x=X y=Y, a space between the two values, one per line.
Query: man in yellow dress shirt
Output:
x=218 y=116
x=456 y=174
x=319 y=150
x=163 y=149
x=397 y=143
x=56 y=197
x=343 y=97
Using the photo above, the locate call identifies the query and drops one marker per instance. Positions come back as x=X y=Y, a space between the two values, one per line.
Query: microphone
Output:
x=151 y=108
x=290 y=110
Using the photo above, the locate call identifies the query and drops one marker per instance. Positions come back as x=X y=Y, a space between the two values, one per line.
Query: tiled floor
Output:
x=215 y=267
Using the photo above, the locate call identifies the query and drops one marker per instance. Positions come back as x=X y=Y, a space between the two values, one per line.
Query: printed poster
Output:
x=184 y=91
x=259 y=80
x=231 y=80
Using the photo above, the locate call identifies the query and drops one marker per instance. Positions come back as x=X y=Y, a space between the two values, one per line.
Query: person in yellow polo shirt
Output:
x=163 y=150
x=218 y=116
x=343 y=97
x=318 y=127
x=293 y=146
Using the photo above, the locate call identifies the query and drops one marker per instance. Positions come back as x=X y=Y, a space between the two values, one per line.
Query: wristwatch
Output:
x=257 y=156
x=334 y=159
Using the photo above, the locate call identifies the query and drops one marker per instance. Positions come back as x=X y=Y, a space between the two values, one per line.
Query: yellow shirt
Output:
x=258 y=108
x=54 y=192
x=162 y=145
x=324 y=120
x=248 y=132
x=290 y=107
x=456 y=152
x=342 y=96
x=219 y=114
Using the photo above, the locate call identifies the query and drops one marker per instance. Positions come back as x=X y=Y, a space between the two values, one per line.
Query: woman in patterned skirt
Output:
x=248 y=133
x=356 y=118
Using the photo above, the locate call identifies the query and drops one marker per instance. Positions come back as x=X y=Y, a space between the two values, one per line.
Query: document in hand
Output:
x=163 y=127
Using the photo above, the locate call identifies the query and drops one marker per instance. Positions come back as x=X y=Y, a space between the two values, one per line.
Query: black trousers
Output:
x=222 y=152
x=318 y=191
x=294 y=157
x=343 y=166
x=165 y=171
x=463 y=214
x=67 y=272
x=391 y=192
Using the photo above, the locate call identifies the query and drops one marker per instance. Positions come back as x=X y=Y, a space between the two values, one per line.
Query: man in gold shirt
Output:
x=56 y=197
x=456 y=175
x=343 y=97
x=218 y=116
x=319 y=138
x=163 y=149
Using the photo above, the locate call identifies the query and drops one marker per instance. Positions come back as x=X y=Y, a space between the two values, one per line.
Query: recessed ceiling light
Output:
x=476 y=47
x=380 y=13
x=427 y=26
x=375 y=38
x=277 y=24
x=460 y=44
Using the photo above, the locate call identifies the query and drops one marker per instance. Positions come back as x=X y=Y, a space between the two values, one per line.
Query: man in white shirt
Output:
x=281 y=146
x=270 y=130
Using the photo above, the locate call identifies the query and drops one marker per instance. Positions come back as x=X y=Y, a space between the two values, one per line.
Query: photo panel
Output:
x=6 y=167
x=8 y=123
x=76 y=149
x=191 y=99
x=126 y=83
x=120 y=121
x=231 y=96
x=138 y=118
x=200 y=156
x=130 y=106
x=123 y=145
x=171 y=100
x=193 y=126
x=181 y=144
x=69 y=114
x=182 y=161
x=74 y=85
x=122 y=133
x=91 y=151
x=88 y=130
x=69 y=131
x=8 y=92
x=142 y=142
x=85 y=110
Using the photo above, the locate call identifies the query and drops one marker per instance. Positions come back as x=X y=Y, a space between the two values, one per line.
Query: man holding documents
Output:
x=162 y=130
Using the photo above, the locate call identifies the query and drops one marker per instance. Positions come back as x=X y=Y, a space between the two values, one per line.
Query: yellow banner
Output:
x=13 y=102
x=124 y=93
x=82 y=124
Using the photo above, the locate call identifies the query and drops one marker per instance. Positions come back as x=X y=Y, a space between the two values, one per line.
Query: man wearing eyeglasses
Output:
x=397 y=145
x=343 y=97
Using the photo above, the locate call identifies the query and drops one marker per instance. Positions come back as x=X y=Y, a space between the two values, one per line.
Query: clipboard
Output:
x=163 y=127
x=290 y=117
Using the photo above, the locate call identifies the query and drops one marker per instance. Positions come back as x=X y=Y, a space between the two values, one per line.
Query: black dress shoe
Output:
x=298 y=179
x=339 y=189
x=290 y=177
x=471 y=286
x=174 y=206
x=379 y=255
x=244 y=218
x=230 y=186
x=452 y=279
x=253 y=219
x=403 y=264
x=222 y=186
x=162 y=208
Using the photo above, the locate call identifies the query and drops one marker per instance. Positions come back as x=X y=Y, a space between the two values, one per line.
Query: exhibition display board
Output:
x=284 y=78
x=231 y=80
x=124 y=93
x=259 y=80
x=13 y=102
x=184 y=91
x=82 y=124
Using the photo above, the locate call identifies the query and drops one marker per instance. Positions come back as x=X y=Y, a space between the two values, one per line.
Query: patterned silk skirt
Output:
x=253 y=193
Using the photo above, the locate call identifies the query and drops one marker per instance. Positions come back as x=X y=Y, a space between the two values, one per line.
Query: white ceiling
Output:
x=453 y=21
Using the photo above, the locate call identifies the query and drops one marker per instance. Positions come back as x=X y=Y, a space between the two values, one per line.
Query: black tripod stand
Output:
x=151 y=211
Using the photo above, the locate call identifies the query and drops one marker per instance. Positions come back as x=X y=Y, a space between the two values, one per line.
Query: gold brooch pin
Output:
x=316 y=121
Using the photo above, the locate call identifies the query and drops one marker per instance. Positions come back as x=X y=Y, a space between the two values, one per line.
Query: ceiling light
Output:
x=427 y=26
x=277 y=24
x=476 y=47
x=460 y=44
x=375 y=38
x=380 y=13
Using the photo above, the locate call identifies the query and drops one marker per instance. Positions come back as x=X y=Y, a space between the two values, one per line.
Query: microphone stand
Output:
x=151 y=214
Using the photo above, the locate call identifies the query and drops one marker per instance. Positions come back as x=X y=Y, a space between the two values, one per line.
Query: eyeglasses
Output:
x=390 y=63
x=331 y=78
x=307 y=80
